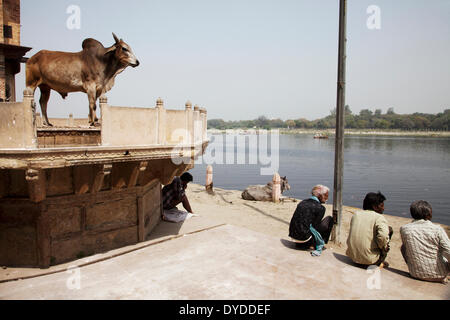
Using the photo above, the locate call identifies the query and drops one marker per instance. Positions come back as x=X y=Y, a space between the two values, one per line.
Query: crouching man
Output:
x=308 y=227
x=369 y=237
x=173 y=194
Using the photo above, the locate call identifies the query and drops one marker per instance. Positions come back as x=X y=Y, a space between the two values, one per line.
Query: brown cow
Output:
x=91 y=70
x=263 y=193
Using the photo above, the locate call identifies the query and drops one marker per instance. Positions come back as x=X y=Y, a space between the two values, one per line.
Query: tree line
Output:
x=366 y=119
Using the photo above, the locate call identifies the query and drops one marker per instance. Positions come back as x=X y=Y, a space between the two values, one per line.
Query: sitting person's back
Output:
x=368 y=239
x=307 y=222
x=426 y=247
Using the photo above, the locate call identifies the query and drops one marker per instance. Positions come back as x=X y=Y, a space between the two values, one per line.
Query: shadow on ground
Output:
x=266 y=214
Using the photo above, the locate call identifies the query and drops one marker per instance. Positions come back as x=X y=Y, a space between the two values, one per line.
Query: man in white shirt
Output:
x=426 y=247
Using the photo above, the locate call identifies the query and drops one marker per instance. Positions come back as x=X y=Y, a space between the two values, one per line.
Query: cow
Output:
x=263 y=193
x=91 y=70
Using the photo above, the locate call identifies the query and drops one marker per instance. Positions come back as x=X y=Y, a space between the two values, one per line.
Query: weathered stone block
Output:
x=64 y=221
x=112 y=214
x=18 y=246
x=60 y=181
x=17 y=184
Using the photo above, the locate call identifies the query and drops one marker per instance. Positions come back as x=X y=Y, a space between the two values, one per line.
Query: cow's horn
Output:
x=115 y=38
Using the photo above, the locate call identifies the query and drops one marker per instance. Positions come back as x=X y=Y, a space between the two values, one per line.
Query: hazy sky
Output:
x=242 y=59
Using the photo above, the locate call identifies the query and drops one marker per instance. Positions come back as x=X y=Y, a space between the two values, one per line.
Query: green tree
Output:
x=390 y=111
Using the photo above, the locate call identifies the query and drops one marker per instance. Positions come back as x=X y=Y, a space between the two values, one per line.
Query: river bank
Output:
x=227 y=206
x=332 y=132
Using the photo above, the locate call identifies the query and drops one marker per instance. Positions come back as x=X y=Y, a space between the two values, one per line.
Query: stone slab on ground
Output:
x=225 y=262
x=163 y=231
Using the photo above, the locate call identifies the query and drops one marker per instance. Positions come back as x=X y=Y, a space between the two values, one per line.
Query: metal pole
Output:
x=339 y=146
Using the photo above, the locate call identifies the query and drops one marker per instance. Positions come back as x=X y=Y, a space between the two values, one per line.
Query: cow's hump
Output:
x=90 y=43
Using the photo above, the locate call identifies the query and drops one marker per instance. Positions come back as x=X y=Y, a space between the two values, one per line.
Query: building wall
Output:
x=65 y=228
x=9 y=16
x=10 y=10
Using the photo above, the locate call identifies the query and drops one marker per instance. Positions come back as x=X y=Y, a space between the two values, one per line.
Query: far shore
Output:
x=332 y=132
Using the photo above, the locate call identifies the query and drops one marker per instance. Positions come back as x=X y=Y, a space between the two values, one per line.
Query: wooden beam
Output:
x=100 y=172
x=82 y=179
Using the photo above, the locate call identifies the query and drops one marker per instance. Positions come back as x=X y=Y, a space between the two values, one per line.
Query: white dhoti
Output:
x=175 y=215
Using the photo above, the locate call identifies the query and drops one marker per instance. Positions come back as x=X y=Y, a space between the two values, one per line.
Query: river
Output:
x=404 y=169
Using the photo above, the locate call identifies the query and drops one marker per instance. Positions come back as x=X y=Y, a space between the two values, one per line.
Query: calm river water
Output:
x=404 y=169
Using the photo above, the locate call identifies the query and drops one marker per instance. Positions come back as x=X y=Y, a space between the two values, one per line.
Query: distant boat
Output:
x=320 y=136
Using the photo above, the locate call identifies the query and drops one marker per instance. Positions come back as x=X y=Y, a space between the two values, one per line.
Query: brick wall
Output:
x=10 y=10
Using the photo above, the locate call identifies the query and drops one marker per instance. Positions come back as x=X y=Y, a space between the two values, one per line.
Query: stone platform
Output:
x=72 y=190
x=199 y=259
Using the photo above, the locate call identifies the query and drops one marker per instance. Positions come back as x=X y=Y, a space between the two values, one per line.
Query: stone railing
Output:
x=120 y=126
x=152 y=126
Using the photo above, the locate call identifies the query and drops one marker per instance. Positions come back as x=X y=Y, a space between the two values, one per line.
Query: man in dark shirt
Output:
x=309 y=213
x=172 y=195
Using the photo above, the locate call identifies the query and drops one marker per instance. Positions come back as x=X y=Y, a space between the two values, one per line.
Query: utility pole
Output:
x=340 y=113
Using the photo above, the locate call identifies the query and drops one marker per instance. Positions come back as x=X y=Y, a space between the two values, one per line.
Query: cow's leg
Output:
x=45 y=96
x=95 y=112
x=92 y=97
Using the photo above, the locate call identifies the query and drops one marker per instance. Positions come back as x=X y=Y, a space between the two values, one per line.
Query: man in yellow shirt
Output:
x=368 y=240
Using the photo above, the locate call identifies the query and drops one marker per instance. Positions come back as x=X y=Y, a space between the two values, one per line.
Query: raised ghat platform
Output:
x=221 y=262
x=71 y=191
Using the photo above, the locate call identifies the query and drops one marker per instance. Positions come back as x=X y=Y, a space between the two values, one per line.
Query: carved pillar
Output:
x=197 y=124
x=189 y=122
x=29 y=114
x=204 y=116
x=36 y=180
x=105 y=120
x=161 y=121
x=276 y=188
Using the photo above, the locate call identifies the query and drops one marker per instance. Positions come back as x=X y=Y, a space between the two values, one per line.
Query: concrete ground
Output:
x=202 y=259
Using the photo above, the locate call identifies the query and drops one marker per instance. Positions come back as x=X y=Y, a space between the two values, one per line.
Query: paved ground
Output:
x=200 y=259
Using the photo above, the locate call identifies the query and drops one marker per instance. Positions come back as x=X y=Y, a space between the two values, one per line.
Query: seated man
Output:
x=426 y=247
x=174 y=194
x=369 y=236
x=309 y=213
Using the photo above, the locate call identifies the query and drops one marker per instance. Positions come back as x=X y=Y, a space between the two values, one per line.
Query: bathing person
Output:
x=369 y=237
x=426 y=247
x=174 y=194
x=309 y=213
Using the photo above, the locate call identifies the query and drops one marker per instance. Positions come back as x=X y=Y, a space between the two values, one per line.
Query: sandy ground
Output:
x=227 y=206
x=221 y=247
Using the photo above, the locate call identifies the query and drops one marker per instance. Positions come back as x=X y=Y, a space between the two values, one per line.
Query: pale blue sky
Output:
x=242 y=59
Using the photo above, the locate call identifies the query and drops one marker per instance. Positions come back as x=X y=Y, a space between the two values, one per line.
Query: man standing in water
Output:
x=369 y=237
